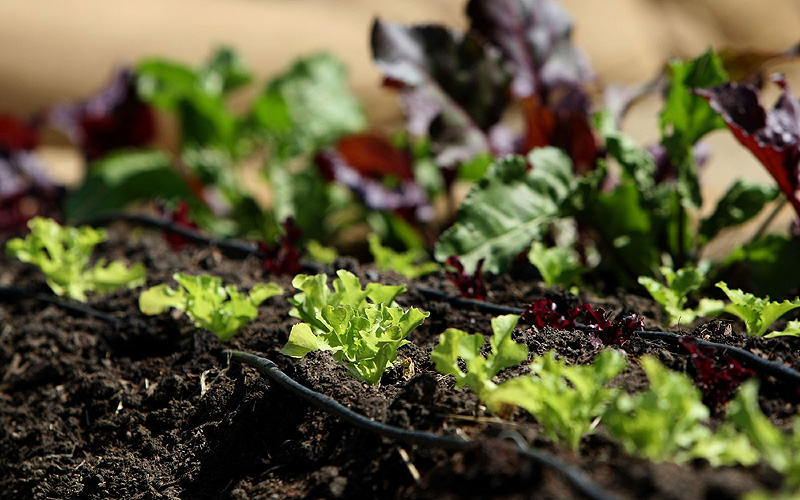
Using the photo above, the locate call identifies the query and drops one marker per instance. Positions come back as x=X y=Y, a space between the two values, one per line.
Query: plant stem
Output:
x=771 y=217
x=579 y=480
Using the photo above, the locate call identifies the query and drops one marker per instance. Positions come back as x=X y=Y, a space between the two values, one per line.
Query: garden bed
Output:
x=148 y=407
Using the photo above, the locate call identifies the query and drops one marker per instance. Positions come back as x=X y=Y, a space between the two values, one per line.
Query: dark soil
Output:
x=148 y=408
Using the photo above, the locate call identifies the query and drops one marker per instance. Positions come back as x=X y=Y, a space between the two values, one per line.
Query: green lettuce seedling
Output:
x=223 y=310
x=567 y=400
x=480 y=369
x=758 y=314
x=63 y=254
x=782 y=452
x=407 y=263
x=665 y=423
x=363 y=328
x=672 y=296
x=556 y=264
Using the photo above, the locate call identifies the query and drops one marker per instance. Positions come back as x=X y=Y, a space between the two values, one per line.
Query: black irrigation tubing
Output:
x=20 y=293
x=235 y=247
x=579 y=480
x=777 y=370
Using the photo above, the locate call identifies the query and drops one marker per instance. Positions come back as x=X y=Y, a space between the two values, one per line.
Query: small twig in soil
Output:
x=21 y=293
x=579 y=480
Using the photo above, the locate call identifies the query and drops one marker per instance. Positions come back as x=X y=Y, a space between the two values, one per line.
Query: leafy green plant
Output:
x=223 y=310
x=780 y=451
x=409 y=263
x=556 y=264
x=456 y=344
x=665 y=422
x=363 y=328
x=758 y=314
x=567 y=400
x=63 y=255
x=673 y=296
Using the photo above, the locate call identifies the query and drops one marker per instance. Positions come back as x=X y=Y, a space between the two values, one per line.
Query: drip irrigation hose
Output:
x=235 y=247
x=747 y=358
x=764 y=366
x=579 y=480
x=20 y=293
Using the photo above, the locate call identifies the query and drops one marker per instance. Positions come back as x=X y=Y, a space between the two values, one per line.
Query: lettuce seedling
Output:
x=556 y=264
x=63 y=254
x=672 y=296
x=363 y=328
x=665 y=423
x=780 y=451
x=470 y=286
x=718 y=380
x=405 y=263
x=480 y=370
x=223 y=310
x=758 y=314
x=566 y=400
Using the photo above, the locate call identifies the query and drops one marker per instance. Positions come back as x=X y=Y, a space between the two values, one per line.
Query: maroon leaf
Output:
x=25 y=189
x=772 y=136
x=179 y=216
x=718 y=380
x=112 y=119
x=469 y=286
x=544 y=312
x=454 y=88
x=379 y=173
x=284 y=257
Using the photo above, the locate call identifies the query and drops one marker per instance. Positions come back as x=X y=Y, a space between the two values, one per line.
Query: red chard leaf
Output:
x=772 y=136
x=454 y=87
x=179 y=216
x=718 y=380
x=112 y=119
x=284 y=257
x=469 y=286
x=544 y=312
x=379 y=173
x=25 y=189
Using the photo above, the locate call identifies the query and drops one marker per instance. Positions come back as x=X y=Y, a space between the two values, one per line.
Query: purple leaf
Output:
x=535 y=36
x=454 y=87
x=772 y=136
x=112 y=119
x=284 y=257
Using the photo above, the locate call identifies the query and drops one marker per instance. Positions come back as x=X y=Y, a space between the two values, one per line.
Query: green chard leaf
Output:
x=63 y=254
x=743 y=201
x=508 y=209
x=673 y=296
x=454 y=344
x=566 y=400
x=363 y=328
x=766 y=266
x=308 y=107
x=222 y=310
x=758 y=314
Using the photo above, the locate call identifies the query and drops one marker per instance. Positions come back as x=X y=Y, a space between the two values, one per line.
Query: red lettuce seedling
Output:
x=25 y=189
x=772 y=136
x=284 y=257
x=114 y=118
x=180 y=217
x=718 y=380
x=544 y=312
x=469 y=286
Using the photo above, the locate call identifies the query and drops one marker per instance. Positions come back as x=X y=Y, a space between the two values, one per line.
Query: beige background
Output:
x=54 y=50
